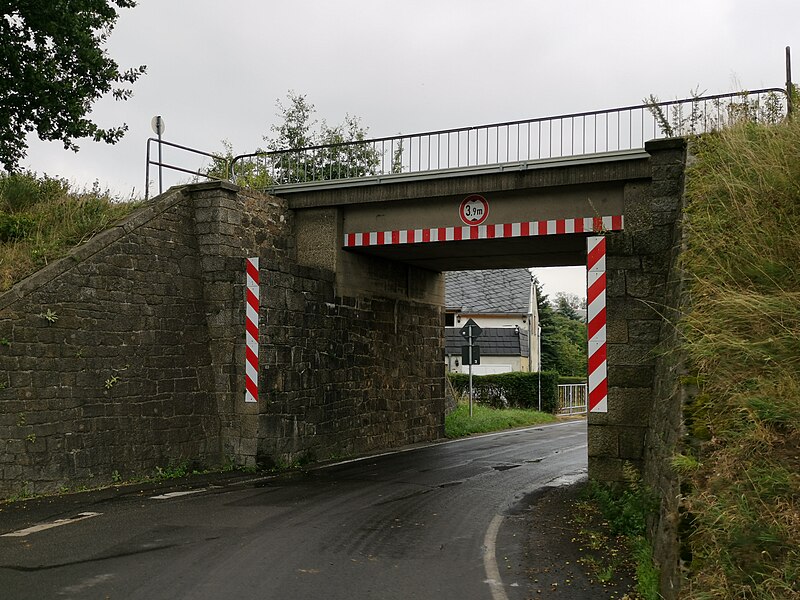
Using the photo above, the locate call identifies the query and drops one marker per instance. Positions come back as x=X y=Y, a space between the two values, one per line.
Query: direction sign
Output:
x=476 y=330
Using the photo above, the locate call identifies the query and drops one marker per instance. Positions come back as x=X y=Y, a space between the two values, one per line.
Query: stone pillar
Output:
x=232 y=225
x=638 y=265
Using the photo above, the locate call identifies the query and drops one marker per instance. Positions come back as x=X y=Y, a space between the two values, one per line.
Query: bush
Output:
x=511 y=390
x=21 y=191
x=41 y=219
x=15 y=227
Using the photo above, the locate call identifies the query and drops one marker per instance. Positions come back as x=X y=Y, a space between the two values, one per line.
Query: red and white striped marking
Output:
x=484 y=232
x=251 y=335
x=596 y=299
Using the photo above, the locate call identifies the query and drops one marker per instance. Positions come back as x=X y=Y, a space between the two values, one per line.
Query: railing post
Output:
x=147 y=172
x=789 y=86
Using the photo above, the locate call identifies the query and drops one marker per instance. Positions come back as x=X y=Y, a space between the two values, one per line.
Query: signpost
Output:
x=471 y=331
x=157 y=123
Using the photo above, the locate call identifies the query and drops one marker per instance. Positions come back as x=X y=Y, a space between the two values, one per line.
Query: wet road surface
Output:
x=428 y=523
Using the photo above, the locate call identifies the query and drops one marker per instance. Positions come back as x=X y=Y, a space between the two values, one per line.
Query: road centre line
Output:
x=57 y=523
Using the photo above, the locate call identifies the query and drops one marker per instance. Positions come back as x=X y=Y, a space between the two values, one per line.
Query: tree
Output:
x=547 y=322
x=569 y=305
x=563 y=334
x=53 y=67
x=319 y=153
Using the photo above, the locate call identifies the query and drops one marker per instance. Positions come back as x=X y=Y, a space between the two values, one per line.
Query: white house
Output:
x=503 y=304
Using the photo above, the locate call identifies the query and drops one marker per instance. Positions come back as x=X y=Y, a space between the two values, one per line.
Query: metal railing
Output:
x=572 y=398
x=571 y=135
x=224 y=164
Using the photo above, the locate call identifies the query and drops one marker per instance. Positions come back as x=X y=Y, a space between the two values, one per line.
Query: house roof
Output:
x=494 y=341
x=488 y=292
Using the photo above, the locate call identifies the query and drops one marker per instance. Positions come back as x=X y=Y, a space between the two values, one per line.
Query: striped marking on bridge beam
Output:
x=596 y=319
x=251 y=331
x=484 y=232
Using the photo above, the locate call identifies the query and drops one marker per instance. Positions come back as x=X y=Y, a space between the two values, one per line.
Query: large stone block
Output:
x=603 y=440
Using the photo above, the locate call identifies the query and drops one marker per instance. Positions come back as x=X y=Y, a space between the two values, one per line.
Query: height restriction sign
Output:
x=473 y=210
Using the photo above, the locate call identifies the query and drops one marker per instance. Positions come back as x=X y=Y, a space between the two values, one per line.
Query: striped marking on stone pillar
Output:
x=251 y=332
x=596 y=318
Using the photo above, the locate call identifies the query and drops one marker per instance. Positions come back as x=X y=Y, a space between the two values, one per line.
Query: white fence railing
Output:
x=572 y=398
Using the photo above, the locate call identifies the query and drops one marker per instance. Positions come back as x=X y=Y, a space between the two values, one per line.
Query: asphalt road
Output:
x=429 y=523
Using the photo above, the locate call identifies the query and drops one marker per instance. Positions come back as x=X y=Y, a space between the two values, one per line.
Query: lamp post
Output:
x=539 y=360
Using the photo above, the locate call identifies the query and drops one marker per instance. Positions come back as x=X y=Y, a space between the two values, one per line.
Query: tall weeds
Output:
x=41 y=218
x=743 y=341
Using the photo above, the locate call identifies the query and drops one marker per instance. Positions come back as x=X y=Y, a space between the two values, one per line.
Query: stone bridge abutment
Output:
x=144 y=365
x=129 y=354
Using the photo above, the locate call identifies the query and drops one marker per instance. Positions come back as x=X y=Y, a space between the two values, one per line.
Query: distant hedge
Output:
x=511 y=390
x=566 y=379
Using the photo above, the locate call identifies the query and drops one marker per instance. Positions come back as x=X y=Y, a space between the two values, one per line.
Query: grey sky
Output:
x=215 y=69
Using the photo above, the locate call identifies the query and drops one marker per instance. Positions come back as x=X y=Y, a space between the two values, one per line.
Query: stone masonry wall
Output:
x=106 y=365
x=347 y=376
x=642 y=427
x=128 y=355
x=665 y=431
x=638 y=268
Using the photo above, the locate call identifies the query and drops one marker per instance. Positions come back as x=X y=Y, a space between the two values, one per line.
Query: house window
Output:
x=449 y=320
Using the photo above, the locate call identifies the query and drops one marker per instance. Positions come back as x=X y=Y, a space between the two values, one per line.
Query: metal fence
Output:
x=572 y=398
x=593 y=132
x=220 y=168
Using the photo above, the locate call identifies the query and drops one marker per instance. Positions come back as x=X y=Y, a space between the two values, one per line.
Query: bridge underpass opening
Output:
x=547 y=243
x=391 y=241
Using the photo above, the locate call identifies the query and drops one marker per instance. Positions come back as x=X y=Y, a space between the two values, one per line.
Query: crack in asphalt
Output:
x=36 y=568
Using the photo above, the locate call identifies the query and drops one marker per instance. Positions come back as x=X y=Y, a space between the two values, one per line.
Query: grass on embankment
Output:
x=42 y=218
x=742 y=336
x=485 y=419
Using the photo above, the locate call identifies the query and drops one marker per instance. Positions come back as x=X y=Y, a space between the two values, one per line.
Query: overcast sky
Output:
x=215 y=69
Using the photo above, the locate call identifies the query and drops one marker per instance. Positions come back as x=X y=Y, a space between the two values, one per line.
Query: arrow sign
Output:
x=476 y=330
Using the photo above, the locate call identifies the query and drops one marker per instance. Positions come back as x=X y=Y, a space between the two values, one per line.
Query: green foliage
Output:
x=485 y=419
x=567 y=379
x=41 y=218
x=49 y=315
x=54 y=68
x=248 y=174
x=15 y=227
x=317 y=151
x=171 y=472
x=625 y=506
x=24 y=493
x=742 y=264
x=563 y=334
x=510 y=390
x=702 y=116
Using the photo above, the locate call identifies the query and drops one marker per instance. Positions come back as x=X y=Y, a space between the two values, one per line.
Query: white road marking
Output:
x=176 y=494
x=56 y=523
x=490 y=560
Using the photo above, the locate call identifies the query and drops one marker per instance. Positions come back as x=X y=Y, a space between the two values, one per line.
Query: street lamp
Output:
x=539 y=358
